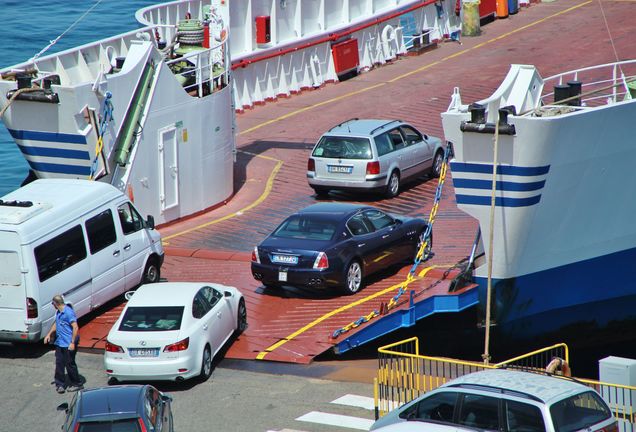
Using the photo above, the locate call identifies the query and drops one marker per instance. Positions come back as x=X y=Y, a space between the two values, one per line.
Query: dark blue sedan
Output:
x=336 y=245
x=126 y=408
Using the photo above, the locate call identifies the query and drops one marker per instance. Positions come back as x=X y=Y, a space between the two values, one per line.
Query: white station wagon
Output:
x=372 y=155
x=172 y=330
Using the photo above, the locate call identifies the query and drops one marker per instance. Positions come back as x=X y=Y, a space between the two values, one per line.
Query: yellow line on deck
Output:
x=317 y=321
x=260 y=199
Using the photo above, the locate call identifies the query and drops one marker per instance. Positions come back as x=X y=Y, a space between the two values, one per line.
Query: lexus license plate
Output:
x=340 y=169
x=282 y=276
x=144 y=352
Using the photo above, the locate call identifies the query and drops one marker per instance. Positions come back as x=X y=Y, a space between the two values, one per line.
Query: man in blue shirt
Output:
x=67 y=337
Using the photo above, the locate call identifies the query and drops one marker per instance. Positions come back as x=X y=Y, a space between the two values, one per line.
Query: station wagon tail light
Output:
x=373 y=168
x=255 y=257
x=182 y=345
x=311 y=165
x=111 y=347
x=32 y=308
x=321 y=261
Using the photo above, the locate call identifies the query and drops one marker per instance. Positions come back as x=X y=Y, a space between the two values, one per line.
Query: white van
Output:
x=79 y=238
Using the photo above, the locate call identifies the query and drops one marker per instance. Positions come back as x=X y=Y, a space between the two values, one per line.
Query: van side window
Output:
x=129 y=218
x=101 y=231
x=60 y=253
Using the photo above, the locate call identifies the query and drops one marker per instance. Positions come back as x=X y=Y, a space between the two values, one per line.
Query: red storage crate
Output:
x=487 y=8
x=345 y=56
x=263 y=29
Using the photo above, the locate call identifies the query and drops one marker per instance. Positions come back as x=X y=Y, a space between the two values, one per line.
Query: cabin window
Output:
x=9 y=269
x=60 y=253
x=101 y=231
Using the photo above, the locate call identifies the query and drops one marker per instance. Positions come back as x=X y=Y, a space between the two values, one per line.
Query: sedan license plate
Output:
x=144 y=352
x=282 y=276
x=339 y=169
x=285 y=259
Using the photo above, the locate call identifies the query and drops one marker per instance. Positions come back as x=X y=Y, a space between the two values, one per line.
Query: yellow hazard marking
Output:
x=317 y=321
x=268 y=188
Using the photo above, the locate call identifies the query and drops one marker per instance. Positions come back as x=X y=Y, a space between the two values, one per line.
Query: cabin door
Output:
x=168 y=168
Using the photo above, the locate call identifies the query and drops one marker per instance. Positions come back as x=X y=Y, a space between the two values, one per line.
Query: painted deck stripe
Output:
x=356 y=401
x=501 y=169
x=499 y=201
x=54 y=152
x=337 y=420
x=501 y=185
x=47 y=136
x=318 y=320
x=59 y=168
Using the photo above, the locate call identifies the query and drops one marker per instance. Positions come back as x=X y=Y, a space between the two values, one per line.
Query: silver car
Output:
x=372 y=155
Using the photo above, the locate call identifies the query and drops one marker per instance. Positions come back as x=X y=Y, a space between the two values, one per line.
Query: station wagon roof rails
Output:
x=344 y=122
x=383 y=126
x=498 y=390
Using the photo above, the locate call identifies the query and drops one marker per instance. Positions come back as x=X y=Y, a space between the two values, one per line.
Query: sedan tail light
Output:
x=111 y=347
x=182 y=345
x=255 y=257
x=611 y=428
x=32 y=308
x=311 y=165
x=321 y=261
x=373 y=168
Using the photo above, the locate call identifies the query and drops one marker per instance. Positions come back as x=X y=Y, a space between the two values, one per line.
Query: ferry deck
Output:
x=274 y=140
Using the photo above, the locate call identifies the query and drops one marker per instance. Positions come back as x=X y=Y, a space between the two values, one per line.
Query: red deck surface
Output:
x=276 y=138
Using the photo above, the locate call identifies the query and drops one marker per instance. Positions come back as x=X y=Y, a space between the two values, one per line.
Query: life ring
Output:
x=558 y=366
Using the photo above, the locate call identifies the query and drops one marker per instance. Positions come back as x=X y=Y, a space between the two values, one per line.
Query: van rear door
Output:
x=12 y=285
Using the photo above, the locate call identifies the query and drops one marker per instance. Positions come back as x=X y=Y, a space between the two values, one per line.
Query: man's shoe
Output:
x=60 y=389
x=75 y=388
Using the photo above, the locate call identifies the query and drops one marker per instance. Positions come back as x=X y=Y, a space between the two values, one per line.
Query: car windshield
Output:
x=126 y=425
x=579 y=412
x=343 y=148
x=306 y=227
x=152 y=318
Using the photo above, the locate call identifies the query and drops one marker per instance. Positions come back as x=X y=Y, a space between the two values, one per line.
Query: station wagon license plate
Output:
x=144 y=352
x=282 y=276
x=285 y=259
x=340 y=169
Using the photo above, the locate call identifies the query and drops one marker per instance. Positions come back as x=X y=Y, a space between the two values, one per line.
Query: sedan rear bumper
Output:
x=126 y=369
x=270 y=275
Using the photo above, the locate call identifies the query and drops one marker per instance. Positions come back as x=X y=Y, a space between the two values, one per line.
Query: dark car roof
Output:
x=336 y=209
x=110 y=400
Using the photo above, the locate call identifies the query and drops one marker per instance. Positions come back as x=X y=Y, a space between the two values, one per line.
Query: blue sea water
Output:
x=29 y=25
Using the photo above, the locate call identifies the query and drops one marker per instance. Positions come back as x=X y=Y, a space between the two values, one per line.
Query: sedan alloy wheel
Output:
x=206 y=363
x=353 y=280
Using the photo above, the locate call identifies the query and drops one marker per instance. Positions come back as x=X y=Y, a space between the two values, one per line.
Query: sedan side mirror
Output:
x=228 y=294
x=150 y=222
x=166 y=398
x=398 y=221
x=63 y=407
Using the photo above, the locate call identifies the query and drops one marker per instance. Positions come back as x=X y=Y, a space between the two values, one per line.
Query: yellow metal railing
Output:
x=404 y=374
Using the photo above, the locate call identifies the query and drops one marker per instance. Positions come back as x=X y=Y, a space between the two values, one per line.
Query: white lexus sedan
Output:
x=172 y=330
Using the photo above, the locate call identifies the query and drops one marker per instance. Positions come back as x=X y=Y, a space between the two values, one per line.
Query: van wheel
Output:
x=152 y=273
x=393 y=187
x=206 y=363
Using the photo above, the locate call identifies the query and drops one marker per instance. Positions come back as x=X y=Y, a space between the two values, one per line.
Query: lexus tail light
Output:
x=111 y=347
x=182 y=345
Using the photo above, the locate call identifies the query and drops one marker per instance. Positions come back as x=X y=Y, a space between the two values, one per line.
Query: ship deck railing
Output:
x=404 y=374
x=601 y=84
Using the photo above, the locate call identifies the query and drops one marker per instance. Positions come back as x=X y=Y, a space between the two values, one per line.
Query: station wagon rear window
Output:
x=343 y=148
x=302 y=227
x=152 y=318
x=579 y=412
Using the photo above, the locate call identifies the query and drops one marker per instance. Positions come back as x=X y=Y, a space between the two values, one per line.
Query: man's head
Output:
x=58 y=302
